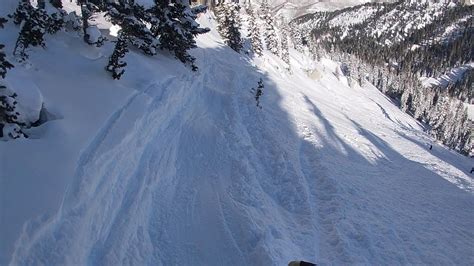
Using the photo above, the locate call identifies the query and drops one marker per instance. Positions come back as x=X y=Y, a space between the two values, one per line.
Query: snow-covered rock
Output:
x=29 y=98
x=94 y=34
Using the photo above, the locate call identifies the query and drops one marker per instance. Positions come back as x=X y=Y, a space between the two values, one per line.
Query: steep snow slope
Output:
x=293 y=8
x=170 y=167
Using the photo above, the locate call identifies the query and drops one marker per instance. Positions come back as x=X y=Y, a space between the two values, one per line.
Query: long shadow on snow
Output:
x=455 y=159
x=201 y=177
x=388 y=210
x=206 y=178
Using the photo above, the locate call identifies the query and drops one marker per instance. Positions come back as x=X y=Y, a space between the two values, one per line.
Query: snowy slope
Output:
x=183 y=169
x=291 y=9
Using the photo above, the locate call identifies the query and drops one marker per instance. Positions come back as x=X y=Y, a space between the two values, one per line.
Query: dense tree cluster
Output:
x=4 y=64
x=9 y=125
x=228 y=17
x=35 y=22
x=270 y=35
x=175 y=26
x=254 y=32
x=168 y=25
x=393 y=58
x=285 y=52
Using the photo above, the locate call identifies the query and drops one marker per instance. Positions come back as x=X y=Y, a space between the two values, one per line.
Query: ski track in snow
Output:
x=126 y=183
x=190 y=172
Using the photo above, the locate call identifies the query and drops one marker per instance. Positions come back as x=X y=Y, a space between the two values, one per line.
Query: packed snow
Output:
x=173 y=167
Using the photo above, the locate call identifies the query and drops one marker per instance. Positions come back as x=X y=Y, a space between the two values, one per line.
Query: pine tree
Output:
x=9 y=125
x=168 y=25
x=269 y=35
x=229 y=25
x=56 y=14
x=4 y=64
x=36 y=22
x=467 y=139
x=285 y=52
x=132 y=18
x=254 y=32
x=175 y=27
x=22 y=12
x=116 y=64
x=299 y=39
x=222 y=20
x=34 y=26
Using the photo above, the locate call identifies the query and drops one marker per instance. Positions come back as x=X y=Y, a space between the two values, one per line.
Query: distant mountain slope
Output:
x=294 y=8
x=396 y=46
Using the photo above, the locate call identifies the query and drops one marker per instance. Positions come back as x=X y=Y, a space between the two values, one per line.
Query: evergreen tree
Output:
x=254 y=32
x=299 y=38
x=9 y=125
x=4 y=64
x=174 y=24
x=133 y=18
x=269 y=35
x=229 y=24
x=169 y=25
x=35 y=22
x=53 y=9
x=116 y=64
x=285 y=53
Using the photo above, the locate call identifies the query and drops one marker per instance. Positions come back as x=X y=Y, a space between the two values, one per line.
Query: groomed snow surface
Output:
x=172 y=167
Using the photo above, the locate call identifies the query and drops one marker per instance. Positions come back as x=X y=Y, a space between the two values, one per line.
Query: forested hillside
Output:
x=397 y=46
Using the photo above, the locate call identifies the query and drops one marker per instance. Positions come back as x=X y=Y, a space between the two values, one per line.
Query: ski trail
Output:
x=94 y=147
x=143 y=191
x=98 y=179
x=190 y=172
x=325 y=195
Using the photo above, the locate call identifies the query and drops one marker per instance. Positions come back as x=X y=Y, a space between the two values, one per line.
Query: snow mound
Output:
x=29 y=97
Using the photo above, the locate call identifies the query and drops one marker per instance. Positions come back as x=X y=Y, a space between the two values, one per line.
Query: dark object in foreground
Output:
x=300 y=263
x=472 y=170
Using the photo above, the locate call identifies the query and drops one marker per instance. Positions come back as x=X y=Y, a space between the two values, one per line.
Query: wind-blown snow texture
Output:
x=186 y=170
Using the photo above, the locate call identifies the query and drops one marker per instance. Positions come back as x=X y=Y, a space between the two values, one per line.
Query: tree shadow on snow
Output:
x=200 y=175
x=384 y=210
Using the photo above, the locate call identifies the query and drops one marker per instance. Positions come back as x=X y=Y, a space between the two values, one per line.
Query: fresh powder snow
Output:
x=173 y=167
